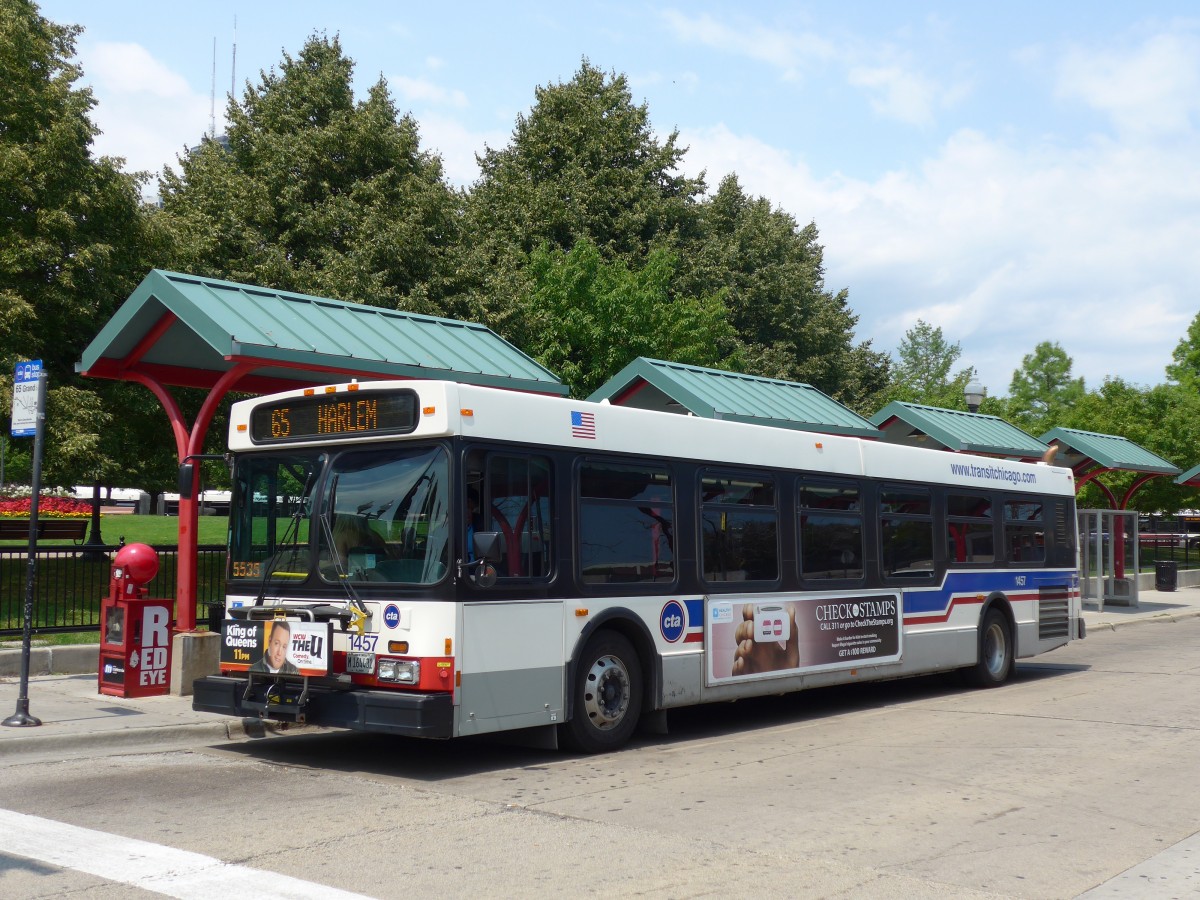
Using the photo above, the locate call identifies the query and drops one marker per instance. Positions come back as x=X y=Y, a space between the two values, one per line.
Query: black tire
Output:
x=996 y=651
x=607 y=695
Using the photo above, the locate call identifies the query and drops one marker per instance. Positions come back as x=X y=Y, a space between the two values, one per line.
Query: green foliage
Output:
x=583 y=163
x=1042 y=393
x=73 y=237
x=1184 y=368
x=584 y=166
x=1164 y=420
x=317 y=193
x=771 y=274
x=924 y=371
x=589 y=318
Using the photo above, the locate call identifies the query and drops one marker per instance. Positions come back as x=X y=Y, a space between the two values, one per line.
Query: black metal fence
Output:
x=72 y=582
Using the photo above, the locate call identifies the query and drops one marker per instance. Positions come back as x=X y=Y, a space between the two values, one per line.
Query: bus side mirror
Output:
x=187 y=474
x=487 y=545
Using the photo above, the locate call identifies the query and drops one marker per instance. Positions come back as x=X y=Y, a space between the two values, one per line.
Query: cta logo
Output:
x=671 y=621
x=391 y=616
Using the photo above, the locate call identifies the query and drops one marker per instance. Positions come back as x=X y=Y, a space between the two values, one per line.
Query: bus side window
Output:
x=516 y=503
x=970 y=529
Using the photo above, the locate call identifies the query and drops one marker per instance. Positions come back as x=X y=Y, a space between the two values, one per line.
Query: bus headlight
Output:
x=401 y=671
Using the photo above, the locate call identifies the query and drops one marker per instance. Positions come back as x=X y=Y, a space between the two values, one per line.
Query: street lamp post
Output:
x=974 y=394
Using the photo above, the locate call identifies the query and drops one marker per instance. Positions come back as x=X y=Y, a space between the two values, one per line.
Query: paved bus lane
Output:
x=1070 y=776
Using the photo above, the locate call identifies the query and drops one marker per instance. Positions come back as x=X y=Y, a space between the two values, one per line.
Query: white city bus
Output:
x=435 y=559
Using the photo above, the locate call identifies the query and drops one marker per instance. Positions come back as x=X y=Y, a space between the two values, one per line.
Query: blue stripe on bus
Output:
x=919 y=601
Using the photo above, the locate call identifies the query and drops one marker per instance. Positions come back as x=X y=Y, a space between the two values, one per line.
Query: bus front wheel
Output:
x=996 y=651
x=608 y=695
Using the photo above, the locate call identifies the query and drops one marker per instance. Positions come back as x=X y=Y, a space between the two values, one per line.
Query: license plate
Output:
x=360 y=663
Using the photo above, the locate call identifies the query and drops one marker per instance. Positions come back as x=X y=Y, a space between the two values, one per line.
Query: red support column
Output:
x=187 y=443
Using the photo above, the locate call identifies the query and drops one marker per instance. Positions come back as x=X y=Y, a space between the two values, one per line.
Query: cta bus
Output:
x=435 y=559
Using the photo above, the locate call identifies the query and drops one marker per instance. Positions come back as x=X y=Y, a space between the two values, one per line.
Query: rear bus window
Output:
x=626 y=524
x=831 y=531
x=906 y=530
x=740 y=525
x=970 y=531
x=1024 y=531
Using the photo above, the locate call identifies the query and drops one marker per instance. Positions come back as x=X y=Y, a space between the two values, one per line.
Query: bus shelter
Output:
x=732 y=396
x=1090 y=456
x=956 y=430
x=184 y=331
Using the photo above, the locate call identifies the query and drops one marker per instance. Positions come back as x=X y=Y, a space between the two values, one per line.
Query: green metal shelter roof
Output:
x=710 y=393
x=1083 y=450
x=954 y=429
x=188 y=331
x=1191 y=477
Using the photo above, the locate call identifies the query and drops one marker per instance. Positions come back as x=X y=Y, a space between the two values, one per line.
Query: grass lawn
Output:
x=146 y=530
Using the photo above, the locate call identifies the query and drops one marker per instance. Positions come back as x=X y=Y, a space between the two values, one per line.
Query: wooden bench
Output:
x=47 y=529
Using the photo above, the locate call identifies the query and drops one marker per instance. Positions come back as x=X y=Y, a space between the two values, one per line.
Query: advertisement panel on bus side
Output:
x=764 y=636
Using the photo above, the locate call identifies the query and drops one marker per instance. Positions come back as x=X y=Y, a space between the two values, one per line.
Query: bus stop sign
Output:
x=25 y=395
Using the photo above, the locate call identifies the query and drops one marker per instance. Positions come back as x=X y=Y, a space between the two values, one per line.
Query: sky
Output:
x=1011 y=173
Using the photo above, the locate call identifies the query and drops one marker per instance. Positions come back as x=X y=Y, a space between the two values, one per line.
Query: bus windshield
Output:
x=385 y=516
x=382 y=517
x=269 y=519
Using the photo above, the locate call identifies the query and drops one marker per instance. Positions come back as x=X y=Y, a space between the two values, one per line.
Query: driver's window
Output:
x=510 y=495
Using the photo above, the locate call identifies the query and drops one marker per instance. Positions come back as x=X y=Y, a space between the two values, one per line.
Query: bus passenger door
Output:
x=511 y=659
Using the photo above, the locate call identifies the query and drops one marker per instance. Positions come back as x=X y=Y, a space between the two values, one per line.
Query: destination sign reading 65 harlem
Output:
x=333 y=416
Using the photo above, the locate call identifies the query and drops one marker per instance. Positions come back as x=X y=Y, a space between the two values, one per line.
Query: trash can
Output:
x=1166 y=575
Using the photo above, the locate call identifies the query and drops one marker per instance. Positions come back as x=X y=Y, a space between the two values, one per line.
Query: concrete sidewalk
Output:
x=77 y=720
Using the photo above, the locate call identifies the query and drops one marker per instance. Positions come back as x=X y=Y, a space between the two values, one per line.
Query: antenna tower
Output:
x=212 y=99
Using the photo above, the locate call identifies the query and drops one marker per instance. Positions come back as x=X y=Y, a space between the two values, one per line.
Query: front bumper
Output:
x=385 y=712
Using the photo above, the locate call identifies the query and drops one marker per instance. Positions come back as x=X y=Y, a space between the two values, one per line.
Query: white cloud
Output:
x=789 y=52
x=1003 y=246
x=457 y=145
x=1150 y=89
x=897 y=94
x=421 y=90
x=146 y=111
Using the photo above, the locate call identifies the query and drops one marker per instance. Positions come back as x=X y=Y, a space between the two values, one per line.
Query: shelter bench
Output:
x=48 y=529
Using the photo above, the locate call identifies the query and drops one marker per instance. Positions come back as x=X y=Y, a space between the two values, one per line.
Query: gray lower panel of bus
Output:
x=521 y=698
x=413 y=715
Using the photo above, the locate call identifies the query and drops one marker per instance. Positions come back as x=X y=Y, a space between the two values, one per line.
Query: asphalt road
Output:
x=1078 y=771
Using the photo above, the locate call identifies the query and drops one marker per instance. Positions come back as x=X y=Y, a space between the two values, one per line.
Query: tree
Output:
x=590 y=317
x=1164 y=419
x=771 y=273
x=73 y=239
x=583 y=164
x=1042 y=391
x=317 y=193
x=1184 y=368
x=923 y=373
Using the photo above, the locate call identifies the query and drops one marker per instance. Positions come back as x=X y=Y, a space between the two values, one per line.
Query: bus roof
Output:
x=451 y=409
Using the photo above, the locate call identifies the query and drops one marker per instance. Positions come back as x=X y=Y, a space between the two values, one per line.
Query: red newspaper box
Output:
x=135 y=636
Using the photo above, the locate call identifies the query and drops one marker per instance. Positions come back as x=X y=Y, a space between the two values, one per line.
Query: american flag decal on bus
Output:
x=583 y=425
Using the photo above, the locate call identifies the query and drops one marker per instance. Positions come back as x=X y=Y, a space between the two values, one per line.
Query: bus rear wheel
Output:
x=996 y=651
x=608 y=695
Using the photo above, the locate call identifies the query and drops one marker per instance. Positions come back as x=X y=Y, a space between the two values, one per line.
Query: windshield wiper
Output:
x=289 y=542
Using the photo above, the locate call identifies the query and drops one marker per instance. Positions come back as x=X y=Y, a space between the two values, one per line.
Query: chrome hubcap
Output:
x=606 y=693
x=995 y=650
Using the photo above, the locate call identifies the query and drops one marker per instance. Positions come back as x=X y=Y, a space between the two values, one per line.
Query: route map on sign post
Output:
x=25 y=395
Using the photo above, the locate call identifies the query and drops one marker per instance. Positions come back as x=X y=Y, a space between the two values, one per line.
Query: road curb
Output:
x=1113 y=625
x=28 y=742
x=40 y=740
x=63 y=659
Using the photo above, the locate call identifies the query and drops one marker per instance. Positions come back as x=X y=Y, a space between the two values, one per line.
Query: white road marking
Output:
x=152 y=867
